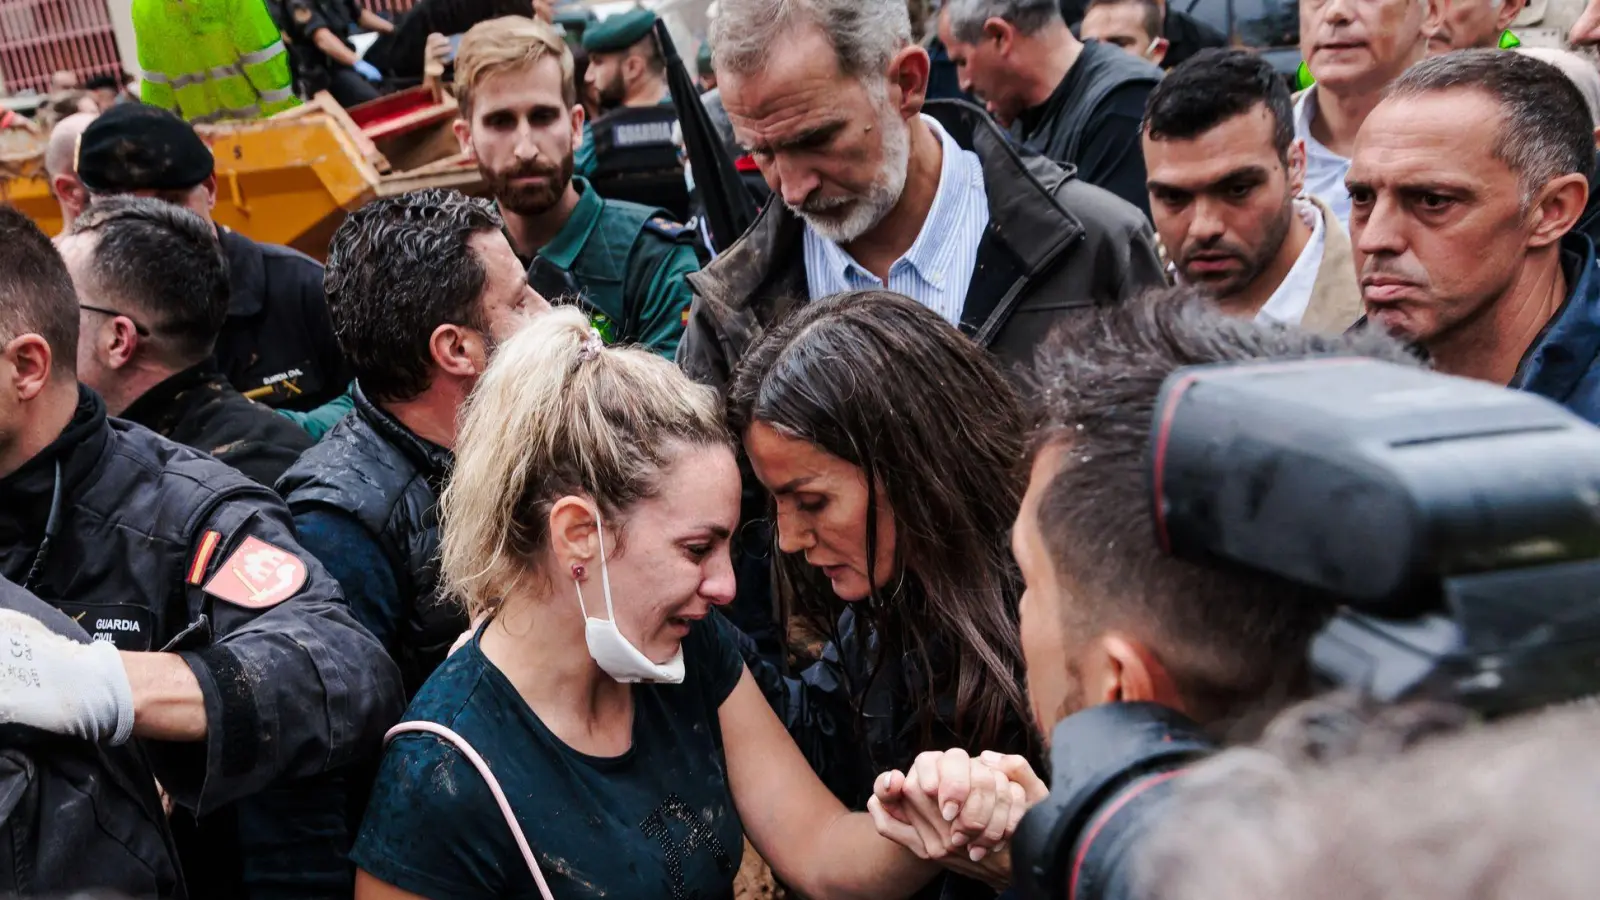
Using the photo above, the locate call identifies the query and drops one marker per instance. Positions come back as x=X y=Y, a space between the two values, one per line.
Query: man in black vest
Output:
x=1078 y=103
x=629 y=152
x=422 y=287
x=218 y=641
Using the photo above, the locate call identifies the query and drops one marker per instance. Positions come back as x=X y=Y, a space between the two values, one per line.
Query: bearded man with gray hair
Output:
x=878 y=188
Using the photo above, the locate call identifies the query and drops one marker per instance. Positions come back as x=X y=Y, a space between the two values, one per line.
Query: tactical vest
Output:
x=372 y=468
x=636 y=159
x=1104 y=69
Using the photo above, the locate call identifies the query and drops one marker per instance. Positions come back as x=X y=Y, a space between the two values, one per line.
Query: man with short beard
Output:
x=1226 y=181
x=624 y=263
x=879 y=189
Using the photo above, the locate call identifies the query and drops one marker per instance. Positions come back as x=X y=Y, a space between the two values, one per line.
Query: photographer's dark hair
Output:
x=398 y=268
x=1547 y=130
x=1229 y=637
x=36 y=293
x=162 y=265
x=885 y=384
x=1213 y=86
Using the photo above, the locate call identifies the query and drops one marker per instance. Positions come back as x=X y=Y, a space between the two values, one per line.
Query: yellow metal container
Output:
x=290 y=179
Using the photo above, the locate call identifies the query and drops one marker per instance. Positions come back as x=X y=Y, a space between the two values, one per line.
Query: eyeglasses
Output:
x=138 y=329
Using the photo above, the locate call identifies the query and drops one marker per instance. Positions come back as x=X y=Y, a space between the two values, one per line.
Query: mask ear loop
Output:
x=605 y=575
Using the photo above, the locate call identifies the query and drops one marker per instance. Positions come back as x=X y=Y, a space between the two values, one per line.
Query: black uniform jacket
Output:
x=198 y=408
x=74 y=816
x=277 y=346
x=157 y=547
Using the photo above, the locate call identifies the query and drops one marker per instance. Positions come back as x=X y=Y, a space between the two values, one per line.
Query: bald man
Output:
x=61 y=166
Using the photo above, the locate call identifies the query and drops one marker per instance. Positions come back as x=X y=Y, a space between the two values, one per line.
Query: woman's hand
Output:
x=947 y=803
x=912 y=810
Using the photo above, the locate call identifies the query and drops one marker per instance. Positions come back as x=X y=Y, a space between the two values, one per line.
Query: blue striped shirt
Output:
x=936 y=270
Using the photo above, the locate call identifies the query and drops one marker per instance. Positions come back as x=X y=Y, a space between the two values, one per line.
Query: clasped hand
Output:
x=950 y=802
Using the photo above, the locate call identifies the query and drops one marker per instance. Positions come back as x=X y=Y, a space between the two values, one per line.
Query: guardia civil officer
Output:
x=236 y=665
x=629 y=152
x=276 y=345
x=520 y=119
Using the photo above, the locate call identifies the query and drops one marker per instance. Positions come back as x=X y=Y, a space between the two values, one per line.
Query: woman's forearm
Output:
x=854 y=861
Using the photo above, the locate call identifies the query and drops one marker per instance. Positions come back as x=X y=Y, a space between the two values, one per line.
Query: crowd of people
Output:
x=305 y=568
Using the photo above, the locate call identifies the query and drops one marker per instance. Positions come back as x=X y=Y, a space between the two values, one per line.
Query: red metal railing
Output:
x=40 y=37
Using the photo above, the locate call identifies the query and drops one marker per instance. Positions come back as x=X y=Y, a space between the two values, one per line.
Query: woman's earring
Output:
x=578 y=571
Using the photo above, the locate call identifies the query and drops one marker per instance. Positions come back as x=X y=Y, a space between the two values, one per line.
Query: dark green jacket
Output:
x=628 y=263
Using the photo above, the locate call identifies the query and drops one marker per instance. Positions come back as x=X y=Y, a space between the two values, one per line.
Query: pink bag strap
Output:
x=460 y=743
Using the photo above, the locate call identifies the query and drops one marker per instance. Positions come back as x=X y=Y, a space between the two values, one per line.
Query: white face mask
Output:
x=610 y=650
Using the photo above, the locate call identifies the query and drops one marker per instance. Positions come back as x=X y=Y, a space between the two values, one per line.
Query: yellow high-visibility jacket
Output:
x=209 y=60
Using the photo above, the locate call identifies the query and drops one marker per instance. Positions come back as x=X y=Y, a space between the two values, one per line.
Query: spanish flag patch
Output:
x=202 y=557
x=684 y=317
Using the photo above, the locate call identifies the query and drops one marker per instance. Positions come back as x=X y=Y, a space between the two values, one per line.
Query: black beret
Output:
x=135 y=147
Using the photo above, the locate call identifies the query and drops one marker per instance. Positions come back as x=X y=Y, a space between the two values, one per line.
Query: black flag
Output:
x=729 y=208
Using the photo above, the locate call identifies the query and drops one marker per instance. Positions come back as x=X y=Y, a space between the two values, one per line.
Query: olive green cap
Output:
x=614 y=34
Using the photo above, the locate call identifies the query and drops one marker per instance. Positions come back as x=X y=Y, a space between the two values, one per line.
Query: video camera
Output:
x=1458 y=524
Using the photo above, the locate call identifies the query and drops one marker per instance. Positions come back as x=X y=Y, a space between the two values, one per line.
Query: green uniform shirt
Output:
x=629 y=261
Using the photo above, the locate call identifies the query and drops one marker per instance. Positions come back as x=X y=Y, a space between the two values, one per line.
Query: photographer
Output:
x=1144 y=660
x=1282 y=821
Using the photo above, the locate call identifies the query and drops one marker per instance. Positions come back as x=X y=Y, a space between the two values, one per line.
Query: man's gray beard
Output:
x=867 y=211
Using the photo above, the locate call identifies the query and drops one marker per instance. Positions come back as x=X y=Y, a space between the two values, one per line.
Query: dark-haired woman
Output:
x=890 y=444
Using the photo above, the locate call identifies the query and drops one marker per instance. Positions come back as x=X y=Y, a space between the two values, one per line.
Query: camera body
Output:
x=1457 y=523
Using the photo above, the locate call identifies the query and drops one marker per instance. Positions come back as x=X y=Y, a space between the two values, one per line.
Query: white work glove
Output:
x=55 y=684
x=368 y=71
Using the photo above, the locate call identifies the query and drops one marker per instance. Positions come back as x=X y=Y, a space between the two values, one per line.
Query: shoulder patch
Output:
x=667 y=228
x=257 y=575
x=302 y=14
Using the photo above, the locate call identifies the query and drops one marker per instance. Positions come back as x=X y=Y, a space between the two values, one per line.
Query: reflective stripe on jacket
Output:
x=212 y=59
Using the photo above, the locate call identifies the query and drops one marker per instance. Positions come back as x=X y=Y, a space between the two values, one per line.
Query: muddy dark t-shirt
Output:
x=658 y=821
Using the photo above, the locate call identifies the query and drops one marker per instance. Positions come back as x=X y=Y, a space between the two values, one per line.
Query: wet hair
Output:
x=36 y=293
x=507 y=43
x=865 y=34
x=162 y=265
x=1214 y=86
x=1462 y=812
x=1027 y=16
x=1545 y=131
x=557 y=415
x=885 y=384
x=1231 y=638
x=398 y=268
x=1149 y=12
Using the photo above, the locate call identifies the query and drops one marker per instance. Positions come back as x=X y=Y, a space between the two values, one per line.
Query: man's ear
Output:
x=210 y=184
x=577 y=114
x=574 y=535
x=121 y=342
x=1130 y=672
x=1297 y=167
x=908 y=72
x=1557 y=208
x=1158 y=51
x=463 y=133
x=1433 y=16
x=31 y=361
x=1509 y=10
x=457 y=350
x=1003 y=33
